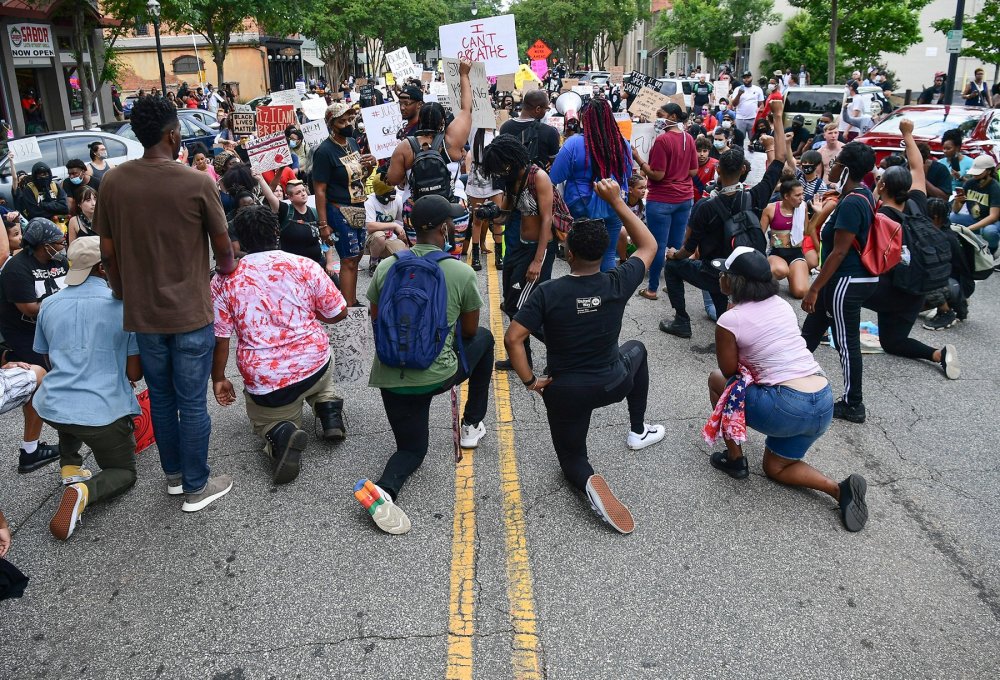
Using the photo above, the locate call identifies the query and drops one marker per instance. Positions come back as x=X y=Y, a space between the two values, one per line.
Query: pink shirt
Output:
x=769 y=340
x=271 y=302
x=675 y=153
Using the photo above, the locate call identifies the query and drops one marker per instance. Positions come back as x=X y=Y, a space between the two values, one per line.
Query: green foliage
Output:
x=981 y=33
x=802 y=43
x=712 y=26
x=571 y=29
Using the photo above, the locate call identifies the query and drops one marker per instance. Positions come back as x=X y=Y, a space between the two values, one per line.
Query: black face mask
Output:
x=386 y=198
x=345 y=131
x=808 y=169
x=43 y=180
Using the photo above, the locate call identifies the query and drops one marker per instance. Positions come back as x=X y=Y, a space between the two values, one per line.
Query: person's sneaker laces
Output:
x=949 y=362
x=854 y=414
x=40 y=457
x=941 y=321
x=471 y=434
x=175 y=485
x=679 y=327
x=388 y=516
x=72 y=474
x=216 y=488
x=71 y=507
x=853 y=509
x=607 y=506
x=737 y=469
x=650 y=435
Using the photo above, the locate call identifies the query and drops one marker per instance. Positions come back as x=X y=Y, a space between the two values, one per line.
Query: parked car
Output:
x=980 y=129
x=206 y=118
x=192 y=132
x=811 y=103
x=127 y=105
x=59 y=147
x=671 y=86
x=591 y=77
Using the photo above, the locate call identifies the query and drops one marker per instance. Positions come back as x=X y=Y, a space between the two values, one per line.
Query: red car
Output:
x=980 y=128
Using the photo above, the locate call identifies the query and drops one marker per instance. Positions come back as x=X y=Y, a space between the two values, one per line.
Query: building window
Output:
x=141 y=29
x=188 y=64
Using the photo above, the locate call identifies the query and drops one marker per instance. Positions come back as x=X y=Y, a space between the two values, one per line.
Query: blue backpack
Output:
x=412 y=325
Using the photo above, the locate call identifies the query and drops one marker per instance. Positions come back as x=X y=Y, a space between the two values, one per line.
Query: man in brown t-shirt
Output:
x=156 y=219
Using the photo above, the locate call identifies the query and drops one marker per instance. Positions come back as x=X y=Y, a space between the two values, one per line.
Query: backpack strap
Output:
x=437 y=257
x=414 y=145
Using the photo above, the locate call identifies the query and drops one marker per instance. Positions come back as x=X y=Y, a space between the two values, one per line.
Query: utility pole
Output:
x=949 y=84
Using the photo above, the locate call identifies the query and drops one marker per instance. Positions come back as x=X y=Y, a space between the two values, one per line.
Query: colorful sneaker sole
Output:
x=607 y=504
x=67 y=515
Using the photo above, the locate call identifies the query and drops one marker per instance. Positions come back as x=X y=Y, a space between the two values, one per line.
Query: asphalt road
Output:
x=721 y=579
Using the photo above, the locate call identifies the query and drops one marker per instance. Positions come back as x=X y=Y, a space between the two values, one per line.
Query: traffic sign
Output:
x=954 y=44
x=539 y=51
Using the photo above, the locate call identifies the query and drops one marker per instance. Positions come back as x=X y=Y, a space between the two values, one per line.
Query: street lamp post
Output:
x=154 y=12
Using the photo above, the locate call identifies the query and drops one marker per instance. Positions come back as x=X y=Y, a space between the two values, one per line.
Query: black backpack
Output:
x=529 y=138
x=740 y=228
x=429 y=174
x=930 y=254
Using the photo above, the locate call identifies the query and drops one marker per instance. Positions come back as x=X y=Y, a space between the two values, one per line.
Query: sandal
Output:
x=646 y=293
x=484 y=249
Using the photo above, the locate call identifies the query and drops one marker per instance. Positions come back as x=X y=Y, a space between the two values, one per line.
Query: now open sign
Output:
x=30 y=40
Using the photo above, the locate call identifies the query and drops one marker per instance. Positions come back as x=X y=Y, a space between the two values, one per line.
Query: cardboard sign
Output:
x=503 y=115
x=569 y=83
x=439 y=92
x=271 y=119
x=720 y=90
x=647 y=102
x=642 y=138
x=617 y=75
x=24 y=150
x=381 y=125
x=505 y=83
x=637 y=81
x=482 y=108
x=426 y=77
x=314 y=132
x=143 y=424
x=244 y=123
x=360 y=82
x=678 y=99
x=270 y=152
x=400 y=64
x=492 y=41
x=285 y=97
x=314 y=109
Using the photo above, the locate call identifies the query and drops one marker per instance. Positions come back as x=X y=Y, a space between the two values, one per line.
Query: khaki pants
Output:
x=263 y=418
x=379 y=247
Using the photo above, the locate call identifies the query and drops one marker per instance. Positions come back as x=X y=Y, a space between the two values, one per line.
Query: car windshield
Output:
x=931 y=123
x=815 y=103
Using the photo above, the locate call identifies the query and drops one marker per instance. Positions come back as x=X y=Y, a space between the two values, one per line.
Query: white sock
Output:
x=29 y=447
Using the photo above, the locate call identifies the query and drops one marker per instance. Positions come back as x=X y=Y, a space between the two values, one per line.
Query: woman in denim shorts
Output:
x=790 y=399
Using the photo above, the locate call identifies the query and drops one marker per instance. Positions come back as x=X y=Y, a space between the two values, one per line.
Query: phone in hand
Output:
x=960 y=193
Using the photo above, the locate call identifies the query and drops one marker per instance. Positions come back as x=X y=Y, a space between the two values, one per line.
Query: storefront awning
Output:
x=314 y=62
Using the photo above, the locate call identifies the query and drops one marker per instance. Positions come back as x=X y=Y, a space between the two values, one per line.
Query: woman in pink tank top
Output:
x=785 y=257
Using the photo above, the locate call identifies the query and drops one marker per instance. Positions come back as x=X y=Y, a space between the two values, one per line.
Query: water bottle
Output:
x=905 y=257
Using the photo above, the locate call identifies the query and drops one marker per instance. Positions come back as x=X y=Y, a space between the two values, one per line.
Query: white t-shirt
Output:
x=376 y=211
x=750 y=101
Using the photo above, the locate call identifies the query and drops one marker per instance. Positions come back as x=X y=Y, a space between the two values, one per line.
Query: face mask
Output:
x=808 y=169
x=57 y=256
x=294 y=144
x=386 y=199
x=836 y=186
x=346 y=131
x=44 y=180
x=76 y=180
x=103 y=154
x=770 y=88
x=719 y=145
x=660 y=125
x=726 y=124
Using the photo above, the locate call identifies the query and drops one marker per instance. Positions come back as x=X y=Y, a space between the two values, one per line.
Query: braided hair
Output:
x=505 y=157
x=607 y=150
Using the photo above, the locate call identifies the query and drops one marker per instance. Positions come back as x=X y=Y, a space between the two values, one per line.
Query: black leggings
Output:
x=569 y=407
x=897 y=312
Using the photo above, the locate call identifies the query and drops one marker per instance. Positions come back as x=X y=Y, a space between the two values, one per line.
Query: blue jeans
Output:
x=792 y=420
x=614 y=226
x=667 y=222
x=991 y=232
x=177 y=368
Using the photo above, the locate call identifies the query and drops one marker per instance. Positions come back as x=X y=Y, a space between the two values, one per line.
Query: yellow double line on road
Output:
x=526 y=646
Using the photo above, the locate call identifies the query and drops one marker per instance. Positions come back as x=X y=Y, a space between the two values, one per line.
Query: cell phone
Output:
x=960 y=193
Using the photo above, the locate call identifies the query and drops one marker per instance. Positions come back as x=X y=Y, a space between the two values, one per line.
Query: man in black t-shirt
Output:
x=800 y=135
x=705 y=234
x=541 y=140
x=582 y=318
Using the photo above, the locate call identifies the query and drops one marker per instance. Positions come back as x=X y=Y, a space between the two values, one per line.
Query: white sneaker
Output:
x=216 y=488
x=388 y=516
x=175 y=485
x=471 y=434
x=607 y=506
x=651 y=435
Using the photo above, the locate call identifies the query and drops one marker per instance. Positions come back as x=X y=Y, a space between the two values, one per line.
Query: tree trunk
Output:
x=831 y=57
x=82 y=72
x=219 y=57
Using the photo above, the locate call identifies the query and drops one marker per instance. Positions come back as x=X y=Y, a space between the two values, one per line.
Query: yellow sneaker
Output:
x=71 y=474
x=70 y=510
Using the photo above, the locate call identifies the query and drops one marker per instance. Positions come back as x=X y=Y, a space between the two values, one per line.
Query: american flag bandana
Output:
x=728 y=420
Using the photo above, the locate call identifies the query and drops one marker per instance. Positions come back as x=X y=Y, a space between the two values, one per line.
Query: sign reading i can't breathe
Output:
x=492 y=41
x=30 y=40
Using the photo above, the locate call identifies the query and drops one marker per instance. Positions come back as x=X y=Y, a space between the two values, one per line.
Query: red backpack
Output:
x=884 y=248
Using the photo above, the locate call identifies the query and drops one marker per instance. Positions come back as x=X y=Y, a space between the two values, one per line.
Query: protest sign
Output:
x=569 y=83
x=482 y=109
x=272 y=119
x=505 y=83
x=556 y=122
x=584 y=90
x=647 y=102
x=314 y=132
x=540 y=67
x=300 y=87
x=642 y=138
x=400 y=64
x=720 y=90
x=492 y=41
x=381 y=125
x=314 y=109
x=503 y=115
x=637 y=81
x=439 y=92
x=624 y=122
x=244 y=123
x=285 y=97
x=617 y=75
x=242 y=108
x=270 y=152
x=426 y=77
x=24 y=149
x=389 y=80
x=678 y=99
x=360 y=82
x=353 y=345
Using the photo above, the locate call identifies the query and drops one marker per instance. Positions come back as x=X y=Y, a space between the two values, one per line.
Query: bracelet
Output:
x=530 y=383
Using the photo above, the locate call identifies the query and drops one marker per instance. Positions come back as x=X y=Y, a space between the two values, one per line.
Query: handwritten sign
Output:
x=569 y=83
x=426 y=77
x=242 y=108
x=637 y=81
x=381 y=125
x=244 y=123
x=270 y=152
x=720 y=90
x=314 y=132
x=271 y=119
x=642 y=138
x=584 y=90
x=558 y=123
x=352 y=345
x=360 y=82
x=647 y=102
x=314 y=109
x=400 y=64
x=503 y=115
x=24 y=149
x=678 y=98
x=285 y=97
x=439 y=92
x=492 y=41
x=505 y=83
x=482 y=109
x=617 y=75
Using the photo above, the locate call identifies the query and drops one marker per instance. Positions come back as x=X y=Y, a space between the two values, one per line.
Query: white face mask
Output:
x=770 y=88
x=726 y=124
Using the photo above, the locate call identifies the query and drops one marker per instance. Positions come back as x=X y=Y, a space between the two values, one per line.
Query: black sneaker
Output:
x=844 y=411
x=287 y=444
x=679 y=327
x=949 y=362
x=477 y=264
x=941 y=321
x=853 y=509
x=737 y=469
x=42 y=456
x=498 y=259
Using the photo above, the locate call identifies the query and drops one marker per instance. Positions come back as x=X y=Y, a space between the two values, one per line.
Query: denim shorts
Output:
x=792 y=420
x=350 y=241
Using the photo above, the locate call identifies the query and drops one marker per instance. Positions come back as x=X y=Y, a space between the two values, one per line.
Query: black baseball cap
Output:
x=432 y=211
x=799 y=118
x=746 y=262
x=747 y=74
x=413 y=92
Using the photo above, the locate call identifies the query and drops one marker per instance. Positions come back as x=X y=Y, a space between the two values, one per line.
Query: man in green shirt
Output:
x=407 y=394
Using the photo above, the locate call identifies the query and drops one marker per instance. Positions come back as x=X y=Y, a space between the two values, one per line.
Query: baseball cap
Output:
x=746 y=262
x=413 y=92
x=747 y=74
x=336 y=110
x=983 y=163
x=799 y=118
x=84 y=252
x=432 y=211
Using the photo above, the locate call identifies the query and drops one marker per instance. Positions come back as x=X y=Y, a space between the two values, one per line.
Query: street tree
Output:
x=799 y=45
x=712 y=26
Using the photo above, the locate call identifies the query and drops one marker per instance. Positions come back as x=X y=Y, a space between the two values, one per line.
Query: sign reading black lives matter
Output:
x=244 y=123
x=637 y=81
